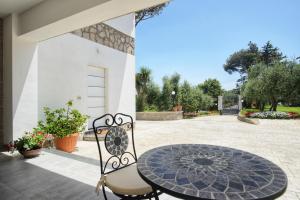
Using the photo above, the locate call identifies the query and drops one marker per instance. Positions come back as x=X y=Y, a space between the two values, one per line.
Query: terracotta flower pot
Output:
x=67 y=143
x=31 y=153
x=179 y=108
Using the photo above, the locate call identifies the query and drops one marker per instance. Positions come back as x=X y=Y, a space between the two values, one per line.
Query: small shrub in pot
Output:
x=29 y=145
x=64 y=124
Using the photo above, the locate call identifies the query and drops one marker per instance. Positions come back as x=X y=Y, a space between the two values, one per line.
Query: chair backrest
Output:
x=116 y=141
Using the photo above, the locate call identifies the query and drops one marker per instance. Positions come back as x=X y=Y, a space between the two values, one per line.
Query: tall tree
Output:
x=269 y=84
x=153 y=95
x=292 y=94
x=188 y=100
x=203 y=101
x=253 y=92
x=166 y=95
x=275 y=84
x=211 y=87
x=149 y=13
x=253 y=89
x=270 y=54
x=175 y=79
x=143 y=79
x=242 y=60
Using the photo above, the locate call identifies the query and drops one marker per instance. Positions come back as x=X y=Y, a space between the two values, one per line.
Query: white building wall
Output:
x=62 y=73
x=51 y=72
x=124 y=24
x=20 y=81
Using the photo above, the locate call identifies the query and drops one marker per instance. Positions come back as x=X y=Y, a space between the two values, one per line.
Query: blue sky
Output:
x=194 y=37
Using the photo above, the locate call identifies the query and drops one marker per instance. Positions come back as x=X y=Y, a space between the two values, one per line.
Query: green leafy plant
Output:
x=270 y=115
x=151 y=108
x=29 y=141
x=62 y=122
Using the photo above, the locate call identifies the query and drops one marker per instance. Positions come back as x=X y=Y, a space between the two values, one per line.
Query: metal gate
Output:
x=229 y=104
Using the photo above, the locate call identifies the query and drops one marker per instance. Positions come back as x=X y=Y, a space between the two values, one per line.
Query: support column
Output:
x=19 y=82
x=1 y=83
x=220 y=104
x=240 y=103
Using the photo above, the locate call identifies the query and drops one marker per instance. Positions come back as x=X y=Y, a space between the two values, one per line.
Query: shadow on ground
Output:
x=22 y=180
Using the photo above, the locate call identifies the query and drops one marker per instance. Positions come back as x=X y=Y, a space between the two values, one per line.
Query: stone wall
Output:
x=108 y=36
x=159 y=116
x=1 y=82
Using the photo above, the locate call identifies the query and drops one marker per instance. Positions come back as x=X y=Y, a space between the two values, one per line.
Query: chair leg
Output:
x=156 y=195
x=104 y=193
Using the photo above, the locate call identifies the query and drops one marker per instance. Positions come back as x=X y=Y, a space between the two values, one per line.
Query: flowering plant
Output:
x=248 y=114
x=270 y=115
x=293 y=115
x=29 y=141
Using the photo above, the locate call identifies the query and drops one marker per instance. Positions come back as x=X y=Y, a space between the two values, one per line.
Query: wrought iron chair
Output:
x=119 y=172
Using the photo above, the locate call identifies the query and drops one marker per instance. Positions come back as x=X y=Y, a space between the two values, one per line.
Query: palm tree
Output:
x=143 y=78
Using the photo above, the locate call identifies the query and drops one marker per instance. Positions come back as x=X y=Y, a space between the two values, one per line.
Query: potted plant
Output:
x=64 y=124
x=179 y=107
x=29 y=145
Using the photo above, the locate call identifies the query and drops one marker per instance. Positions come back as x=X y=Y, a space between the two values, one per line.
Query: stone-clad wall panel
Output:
x=108 y=36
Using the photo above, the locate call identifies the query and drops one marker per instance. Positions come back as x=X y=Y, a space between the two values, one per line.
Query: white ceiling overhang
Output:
x=51 y=18
x=16 y=6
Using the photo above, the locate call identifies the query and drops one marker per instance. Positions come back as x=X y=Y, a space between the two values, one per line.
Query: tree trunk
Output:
x=261 y=106
x=275 y=106
x=271 y=107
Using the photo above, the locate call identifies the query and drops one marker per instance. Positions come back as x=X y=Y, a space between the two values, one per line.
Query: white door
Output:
x=95 y=93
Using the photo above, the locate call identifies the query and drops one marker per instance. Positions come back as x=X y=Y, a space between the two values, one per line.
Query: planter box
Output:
x=159 y=116
x=248 y=120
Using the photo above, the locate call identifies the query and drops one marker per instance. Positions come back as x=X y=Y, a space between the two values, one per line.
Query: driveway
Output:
x=276 y=140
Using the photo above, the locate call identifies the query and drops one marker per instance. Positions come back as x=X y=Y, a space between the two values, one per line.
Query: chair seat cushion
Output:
x=127 y=181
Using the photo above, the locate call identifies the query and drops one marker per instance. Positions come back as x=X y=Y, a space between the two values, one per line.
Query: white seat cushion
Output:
x=127 y=181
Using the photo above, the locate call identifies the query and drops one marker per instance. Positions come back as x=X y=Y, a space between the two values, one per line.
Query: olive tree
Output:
x=166 y=102
x=272 y=84
x=253 y=91
x=153 y=96
x=188 y=97
x=211 y=87
x=175 y=79
x=203 y=101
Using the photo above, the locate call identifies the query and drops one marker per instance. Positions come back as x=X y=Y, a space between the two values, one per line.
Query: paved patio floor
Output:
x=57 y=175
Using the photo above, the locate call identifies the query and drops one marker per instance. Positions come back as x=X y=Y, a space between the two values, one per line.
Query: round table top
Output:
x=196 y=171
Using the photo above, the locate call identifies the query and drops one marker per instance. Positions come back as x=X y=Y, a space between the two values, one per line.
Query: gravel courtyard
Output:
x=276 y=140
x=63 y=176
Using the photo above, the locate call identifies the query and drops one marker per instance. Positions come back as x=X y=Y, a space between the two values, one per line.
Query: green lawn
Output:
x=279 y=108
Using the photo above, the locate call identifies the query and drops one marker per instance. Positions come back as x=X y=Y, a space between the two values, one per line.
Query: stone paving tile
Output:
x=276 y=140
x=289 y=196
x=52 y=175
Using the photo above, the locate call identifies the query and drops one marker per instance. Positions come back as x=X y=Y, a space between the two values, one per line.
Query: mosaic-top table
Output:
x=196 y=171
